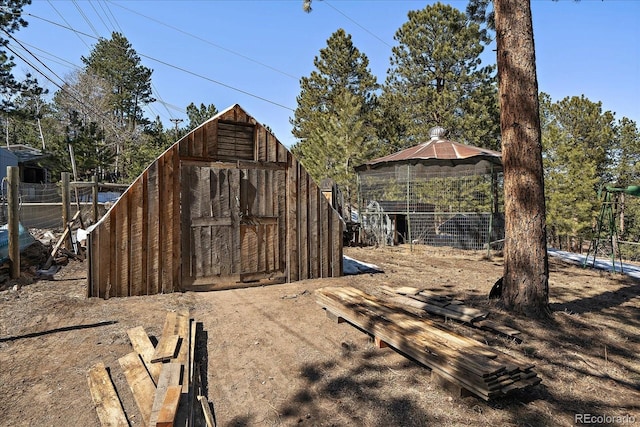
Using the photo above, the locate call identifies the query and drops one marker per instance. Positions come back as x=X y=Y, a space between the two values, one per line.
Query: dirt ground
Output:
x=275 y=359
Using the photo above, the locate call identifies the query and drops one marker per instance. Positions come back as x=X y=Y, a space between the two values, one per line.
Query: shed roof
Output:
x=438 y=152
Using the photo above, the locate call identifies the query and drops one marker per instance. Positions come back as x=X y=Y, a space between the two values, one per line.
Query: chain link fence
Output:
x=457 y=206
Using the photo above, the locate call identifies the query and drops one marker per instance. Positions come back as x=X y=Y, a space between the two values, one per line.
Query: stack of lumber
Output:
x=160 y=378
x=444 y=306
x=467 y=363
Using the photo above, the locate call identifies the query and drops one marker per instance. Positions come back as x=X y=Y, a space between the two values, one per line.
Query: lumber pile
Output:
x=164 y=379
x=444 y=306
x=467 y=363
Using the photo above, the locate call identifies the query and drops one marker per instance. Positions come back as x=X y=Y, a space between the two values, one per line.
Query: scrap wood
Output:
x=208 y=416
x=448 y=308
x=163 y=401
x=143 y=346
x=66 y=232
x=480 y=369
x=103 y=393
x=140 y=383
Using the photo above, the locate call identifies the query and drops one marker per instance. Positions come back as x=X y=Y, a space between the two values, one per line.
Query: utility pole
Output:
x=176 y=122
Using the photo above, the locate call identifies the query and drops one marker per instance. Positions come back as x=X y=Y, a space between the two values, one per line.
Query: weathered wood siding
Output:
x=227 y=205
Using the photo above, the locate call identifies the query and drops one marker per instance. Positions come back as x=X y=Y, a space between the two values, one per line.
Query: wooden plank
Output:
x=167 y=414
x=182 y=330
x=176 y=265
x=166 y=224
x=168 y=331
x=303 y=209
x=167 y=348
x=139 y=382
x=205 y=211
x=143 y=346
x=208 y=416
x=293 y=223
x=234 y=232
x=105 y=398
x=153 y=231
x=169 y=378
x=137 y=280
x=336 y=244
x=325 y=249
x=314 y=230
x=212 y=138
x=122 y=243
x=477 y=367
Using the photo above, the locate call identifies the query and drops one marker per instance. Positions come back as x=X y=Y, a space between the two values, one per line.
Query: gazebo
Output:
x=440 y=193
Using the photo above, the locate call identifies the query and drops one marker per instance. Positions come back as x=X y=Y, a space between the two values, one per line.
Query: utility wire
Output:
x=184 y=70
x=86 y=19
x=207 y=41
x=352 y=20
x=62 y=17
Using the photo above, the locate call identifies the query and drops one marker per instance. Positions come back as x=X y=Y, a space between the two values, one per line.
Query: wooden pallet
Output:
x=474 y=366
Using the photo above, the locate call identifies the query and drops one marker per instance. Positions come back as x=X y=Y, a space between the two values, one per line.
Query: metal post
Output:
x=13 y=174
x=94 y=195
x=408 y=216
x=66 y=205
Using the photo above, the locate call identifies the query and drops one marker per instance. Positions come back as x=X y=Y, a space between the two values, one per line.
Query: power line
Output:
x=208 y=42
x=352 y=20
x=184 y=70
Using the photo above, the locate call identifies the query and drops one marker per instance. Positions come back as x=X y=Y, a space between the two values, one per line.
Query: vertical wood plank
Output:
x=314 y=234
x=336 y=245
x=292 y=219
x=136 y=248
x=195 y=191
x=324 y=239
x=280 y=191
x=205 y=211
x=303 y=195
x=212 y=138
x=109 y=247
x=198 y=141
x=175 y=249
x=153 y=230
x=234 y=238
x=122 y=242
x=166 y=226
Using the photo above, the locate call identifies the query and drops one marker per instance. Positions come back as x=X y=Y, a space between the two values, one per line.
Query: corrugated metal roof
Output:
x=438 y=152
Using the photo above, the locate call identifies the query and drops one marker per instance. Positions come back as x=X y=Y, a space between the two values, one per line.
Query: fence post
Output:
x=94 y=193
x=66 y=205
x=13 y=175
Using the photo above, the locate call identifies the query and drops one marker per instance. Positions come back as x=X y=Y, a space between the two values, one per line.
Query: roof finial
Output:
x=437 y=132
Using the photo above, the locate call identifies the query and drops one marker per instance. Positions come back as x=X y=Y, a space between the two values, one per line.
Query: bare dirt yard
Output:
x=275 y=359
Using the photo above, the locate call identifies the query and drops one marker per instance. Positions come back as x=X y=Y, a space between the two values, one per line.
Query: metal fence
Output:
x=456 y=206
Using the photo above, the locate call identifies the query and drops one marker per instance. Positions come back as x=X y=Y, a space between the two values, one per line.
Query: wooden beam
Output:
x=169 y=378
x=105 y=398
x=140 y=383
x=143 y=346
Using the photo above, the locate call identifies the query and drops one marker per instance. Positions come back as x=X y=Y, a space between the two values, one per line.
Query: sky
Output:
x=254 y=52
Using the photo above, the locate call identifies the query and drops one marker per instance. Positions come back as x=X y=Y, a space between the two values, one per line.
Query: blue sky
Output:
x=254 y=53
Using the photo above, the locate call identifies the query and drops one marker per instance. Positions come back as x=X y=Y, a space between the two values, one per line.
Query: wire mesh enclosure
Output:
x=434 y=205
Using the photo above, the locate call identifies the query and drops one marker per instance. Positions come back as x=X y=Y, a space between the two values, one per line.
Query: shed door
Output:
x=232 y=232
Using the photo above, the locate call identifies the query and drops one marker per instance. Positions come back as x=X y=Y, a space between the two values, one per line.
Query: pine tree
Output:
x=436 y=79
x=197 y=116
x=341 y=82
x=577 y=145
x=117 y=62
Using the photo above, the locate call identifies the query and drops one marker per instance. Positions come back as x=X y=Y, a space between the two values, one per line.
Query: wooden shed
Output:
x=226 y=206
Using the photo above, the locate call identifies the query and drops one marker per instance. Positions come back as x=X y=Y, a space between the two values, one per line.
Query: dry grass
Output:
x=275 y=359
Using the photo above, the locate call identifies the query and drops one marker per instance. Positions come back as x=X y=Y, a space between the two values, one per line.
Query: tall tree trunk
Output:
x=526 y=268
